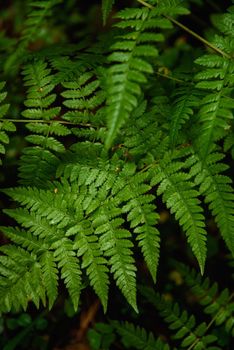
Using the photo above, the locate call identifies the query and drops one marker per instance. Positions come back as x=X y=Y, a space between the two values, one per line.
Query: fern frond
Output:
x=129 y=191
x=50 y=276
x=89 y=248
x=40 y=159
x=34 y=223
x=132 y=191
x=134 y=52
x=65 y=256
x=218 y=305
x=106 y=9
x=5 y=126
x=38 y=12
x=24 y=239
x=84 y=98
x=46 y=203
x=229 y=142
x=115 y=242
x=181 y=198
x=137 y=338
x=182 y=110
x=143 y=138
x=181 y=323
x=130 y=65
x=54 y=251
x=216 y=79
x=21 y=279
x=83 y=95
x=62 y=209
x=217 y=190
x=215 y=113
x=117 y=246
x=224 y=23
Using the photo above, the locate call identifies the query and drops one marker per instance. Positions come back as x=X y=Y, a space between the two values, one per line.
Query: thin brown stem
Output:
x=210 y=323
x=191 y=32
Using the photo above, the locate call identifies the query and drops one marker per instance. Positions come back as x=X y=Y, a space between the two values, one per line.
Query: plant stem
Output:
x=197 y=36
x=170 y=77
x=191 y=32
x=210 y=323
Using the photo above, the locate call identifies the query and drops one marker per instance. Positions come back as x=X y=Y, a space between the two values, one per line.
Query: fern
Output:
x=218 y=305
x=138 y=338
x=84 y=98
x=229 y=143
x=59 y=219
x=62 y=255
x=21 y=279
x=131 y=60
x=38 y=12
x=217 y=190
x=130 y=65
x=181 y=197
x=5 y=126
x=41 y=159
x=183 y=325
x=182 y=110
x=106 y=9
x=115 y=130
x=144 y=139
x=141 y=213
x=216 y=78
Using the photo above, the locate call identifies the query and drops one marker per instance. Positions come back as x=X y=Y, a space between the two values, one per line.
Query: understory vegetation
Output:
x=117 y=148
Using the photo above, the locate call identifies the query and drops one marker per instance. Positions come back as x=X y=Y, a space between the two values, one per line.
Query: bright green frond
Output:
x=181 y=198
x=216 y=79
x=21 y=279
x=65 y=256
x=129 y=65
x=50 y=276
x=217 y=190
x=117 y=246
x=133 y=191
x=92 y=260
x=41 y=158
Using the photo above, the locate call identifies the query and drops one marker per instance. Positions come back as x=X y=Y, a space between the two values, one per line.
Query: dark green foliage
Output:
x=183 y=329
x=116 y=128
x=138 y=338
x=184 y=326
x=5 y=126
x=218 y=305
x=37 y=14
x=106 y=8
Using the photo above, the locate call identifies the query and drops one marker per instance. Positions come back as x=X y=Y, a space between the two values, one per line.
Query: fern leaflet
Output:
x=5 y=126
x=216 y=79
x=181 y=323
x=182 y=199
x=218 y=305
x=217 y=190
x=40 y=159
x=137 y=338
